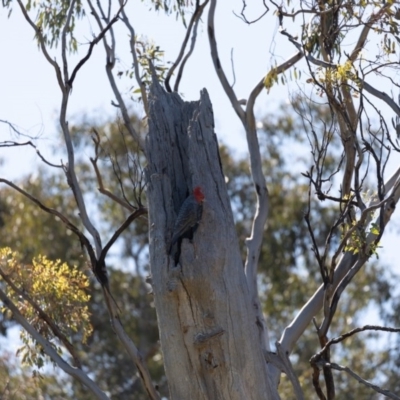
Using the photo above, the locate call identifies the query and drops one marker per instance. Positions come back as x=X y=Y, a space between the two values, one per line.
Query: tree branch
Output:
x=193 y=22
x=93 y=43
x=110 y=63
x=365 y=31
x=132 y=44
x=43 y=46
x=9 y=143
x=101 y=187
x=64 y=44
x=385 y=392
x=136 y=214
x=137 y=358
x=262 y=208
x=98 y=270
x=243 y=17
x=217 y=63
x=346 y=335
x=187 y=56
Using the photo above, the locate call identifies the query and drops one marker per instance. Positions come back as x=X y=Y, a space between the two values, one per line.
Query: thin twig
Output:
x=110 y=51
x=365 y=85
x=83 y=239
x=136 y=214
x=346 y=335
x=217 y=63
x=64 y=42
x=385 y=392
x=132 y=44
x=43 y=45
x=243 y=17
x=93 y=43
x=189 y=53
x=193 y=22
x=9 y=143
x=101 y=187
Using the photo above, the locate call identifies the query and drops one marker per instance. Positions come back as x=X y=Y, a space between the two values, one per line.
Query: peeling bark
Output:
x=207 y=326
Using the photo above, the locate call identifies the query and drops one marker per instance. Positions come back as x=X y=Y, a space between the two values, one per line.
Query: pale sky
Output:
x=30 y=96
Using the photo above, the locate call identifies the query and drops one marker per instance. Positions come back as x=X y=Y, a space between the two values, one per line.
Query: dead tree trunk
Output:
x=207 y=325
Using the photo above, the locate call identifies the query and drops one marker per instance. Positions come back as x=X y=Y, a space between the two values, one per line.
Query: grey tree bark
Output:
x=207 y=325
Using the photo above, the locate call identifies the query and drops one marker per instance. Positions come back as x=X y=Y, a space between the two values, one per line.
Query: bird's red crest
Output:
x=198 y=194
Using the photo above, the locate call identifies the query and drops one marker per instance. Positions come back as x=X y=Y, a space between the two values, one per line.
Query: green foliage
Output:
x=51 y=18
x=355 y=234
x=179 y=7
x=273 y=77
x=18 y=383
x=148 y=53
x=58 y=290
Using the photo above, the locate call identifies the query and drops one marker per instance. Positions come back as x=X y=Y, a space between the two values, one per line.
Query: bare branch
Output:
x=233 y=69
x=320 y=63
x=138 y=359
x=193 y=22
x=132 y=44
x=254 y=242
x=313 y=10
x=83 y=239
x=43 y=46
x=101 y=187
x=317 y=387
x=70 y=168
x=217 y=63
x=9 y=143
x=243 y=17
x=346 y=335
x=290 y=372
x=64 y=42
x=381 y=95
x=93 y=43
x=110 y=51
x=262 y=208
x=17 y=131
x=136 y=214
x=187 y=56
x=385 y=392
x=387 y=207
x=73 y=180
x=50 y=351
x=367 y=27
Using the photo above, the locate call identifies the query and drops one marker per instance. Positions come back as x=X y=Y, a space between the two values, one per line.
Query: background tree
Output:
x=324 y=225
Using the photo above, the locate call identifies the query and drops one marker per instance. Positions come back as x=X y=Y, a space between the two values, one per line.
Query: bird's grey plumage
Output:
x=189 y=216
x=185 y=221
